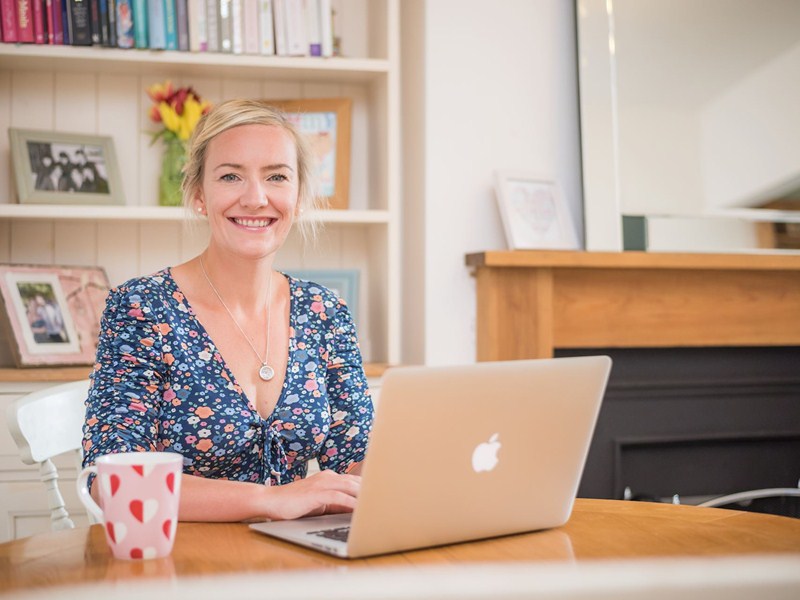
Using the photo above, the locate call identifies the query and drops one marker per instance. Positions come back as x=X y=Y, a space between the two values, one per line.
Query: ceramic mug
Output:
x=139 y=493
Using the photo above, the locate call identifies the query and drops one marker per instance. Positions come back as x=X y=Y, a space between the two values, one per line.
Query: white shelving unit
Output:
x=102 y=91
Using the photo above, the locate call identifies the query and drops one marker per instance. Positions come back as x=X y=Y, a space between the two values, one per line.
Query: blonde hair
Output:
x=235 y=113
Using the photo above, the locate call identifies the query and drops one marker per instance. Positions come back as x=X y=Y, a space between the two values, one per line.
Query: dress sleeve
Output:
x=348 y=396
x=122 y=407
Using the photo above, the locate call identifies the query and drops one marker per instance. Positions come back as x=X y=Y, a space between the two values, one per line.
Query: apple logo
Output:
x=484 y=457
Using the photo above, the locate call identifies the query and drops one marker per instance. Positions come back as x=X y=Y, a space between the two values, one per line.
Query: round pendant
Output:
x=266 y=372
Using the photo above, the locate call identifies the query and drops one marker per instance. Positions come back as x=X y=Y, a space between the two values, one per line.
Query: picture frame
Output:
x=51 y=314
x=534 y=213
x=343 y=282
x=326 y=123
x=52 y=167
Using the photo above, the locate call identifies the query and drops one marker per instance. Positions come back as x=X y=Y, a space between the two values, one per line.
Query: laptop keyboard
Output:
x=337 y=533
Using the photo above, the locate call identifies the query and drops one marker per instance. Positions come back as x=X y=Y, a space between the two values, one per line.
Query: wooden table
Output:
x=530 y=302
x=598 y=529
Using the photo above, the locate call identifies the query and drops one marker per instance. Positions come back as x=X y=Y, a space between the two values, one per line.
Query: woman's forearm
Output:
x=222 y=500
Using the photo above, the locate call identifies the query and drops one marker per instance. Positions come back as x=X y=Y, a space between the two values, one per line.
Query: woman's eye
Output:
x=278 y=177
x=229 y=177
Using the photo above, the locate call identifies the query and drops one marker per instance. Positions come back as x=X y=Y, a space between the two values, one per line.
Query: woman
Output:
x=245 y=371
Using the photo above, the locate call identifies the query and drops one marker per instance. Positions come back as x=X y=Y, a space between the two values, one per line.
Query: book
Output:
x=225 y=26
x=112 y=23
x=65 y=19
x=212 y=25
x=182 y=24
x=251 y=40
x=80 y=23
x=57 y=33
x=8 y=20
x=102 y=11
x=198 y=28
x=140 y=23
x=156 y=28
x=279 y=22
x=171 y=25
x=314 y=25
x=49 y=17
x=266 y=34
x=296 y=28
x=237 y=26
x=94 y=11
x=125 y=24
x=37 y=8
x=326 y=27
x=24 y=22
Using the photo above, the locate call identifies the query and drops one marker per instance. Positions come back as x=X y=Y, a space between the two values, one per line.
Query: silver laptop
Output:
x=463 y=453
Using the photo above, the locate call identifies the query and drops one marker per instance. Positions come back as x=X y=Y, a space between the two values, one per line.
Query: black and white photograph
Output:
x=65 y=168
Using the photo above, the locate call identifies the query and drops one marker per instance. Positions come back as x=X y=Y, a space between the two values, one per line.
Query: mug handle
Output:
x=85 y=497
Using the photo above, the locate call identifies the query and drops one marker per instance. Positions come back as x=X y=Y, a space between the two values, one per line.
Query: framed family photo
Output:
x=343 y=282
x=51 y=314
x=326 y=123
x=65 y=168
x=534 y=214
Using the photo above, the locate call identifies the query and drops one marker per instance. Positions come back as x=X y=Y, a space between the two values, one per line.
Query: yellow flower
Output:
x=169 y=117
x=192 y=111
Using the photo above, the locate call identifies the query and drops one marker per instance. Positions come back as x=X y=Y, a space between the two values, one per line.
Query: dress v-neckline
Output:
x=233 y=380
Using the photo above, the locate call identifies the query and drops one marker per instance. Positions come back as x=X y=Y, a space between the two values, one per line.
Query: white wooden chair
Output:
x=45 y=424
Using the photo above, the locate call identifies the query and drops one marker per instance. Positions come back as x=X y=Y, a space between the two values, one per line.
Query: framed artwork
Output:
x=326 y=123
x=65 y=168
x=534 y=214
x=343 y=282
x=52 y=314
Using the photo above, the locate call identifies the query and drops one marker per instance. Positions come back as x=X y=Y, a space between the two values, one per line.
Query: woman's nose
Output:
x=254 y=195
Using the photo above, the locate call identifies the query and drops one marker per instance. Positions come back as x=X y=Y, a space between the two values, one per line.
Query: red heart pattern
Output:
x=136 y=553
x=143 y=511
x=139 y=469
x=171 y=482
x=167 y=528
x=110 y=530
x=115 y=483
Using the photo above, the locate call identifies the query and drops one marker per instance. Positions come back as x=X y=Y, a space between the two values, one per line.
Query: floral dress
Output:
x=160 y=384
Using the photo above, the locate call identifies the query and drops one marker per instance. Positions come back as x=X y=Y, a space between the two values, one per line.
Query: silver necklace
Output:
x=265 y=371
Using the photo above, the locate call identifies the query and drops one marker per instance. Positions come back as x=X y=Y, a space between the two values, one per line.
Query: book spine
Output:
x=125 y=18
x=296 y=28
x=251 y=27
x=94 y=11
x=198 y=28
x=37 y=8
x=326 y=27
x=50 y=20
x=24 y=22
x=212 y=25
x=80 y=33
x=112 y=23
x=171 y=25
x=237 y=26
x=279 y=19
x=8 y=12
x=66 y=18
x=266 y=32
x=140 y=23
x=102 y=10
x=58 y=22
x=225 y=26
x=312 y=10
x=155 y=24
x=182 y=24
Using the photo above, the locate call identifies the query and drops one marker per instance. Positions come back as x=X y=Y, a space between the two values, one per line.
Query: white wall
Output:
x=496 y=86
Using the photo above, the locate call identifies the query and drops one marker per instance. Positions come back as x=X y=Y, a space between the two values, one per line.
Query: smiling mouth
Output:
x=252 y=222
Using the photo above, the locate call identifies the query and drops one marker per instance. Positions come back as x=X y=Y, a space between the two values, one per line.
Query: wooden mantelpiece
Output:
x=530 y=302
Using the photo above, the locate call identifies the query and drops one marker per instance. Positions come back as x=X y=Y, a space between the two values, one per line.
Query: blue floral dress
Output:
x=160 y=384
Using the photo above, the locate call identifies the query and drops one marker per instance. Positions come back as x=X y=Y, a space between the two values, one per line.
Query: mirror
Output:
x=690 y=110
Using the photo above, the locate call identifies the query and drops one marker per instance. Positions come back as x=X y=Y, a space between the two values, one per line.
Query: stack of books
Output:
x=264 y=27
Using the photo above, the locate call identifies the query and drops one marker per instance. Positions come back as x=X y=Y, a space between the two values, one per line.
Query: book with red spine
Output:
x=8 y=20
x=57 y=33
x=39 y=22
x=24 y=22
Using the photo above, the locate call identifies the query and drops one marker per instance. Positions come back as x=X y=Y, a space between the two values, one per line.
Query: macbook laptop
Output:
x=463 y=453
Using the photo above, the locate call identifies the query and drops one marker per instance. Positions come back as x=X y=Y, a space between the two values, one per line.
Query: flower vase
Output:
x=169 y=184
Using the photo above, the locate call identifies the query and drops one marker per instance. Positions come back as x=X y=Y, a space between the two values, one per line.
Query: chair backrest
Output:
x=45 y=424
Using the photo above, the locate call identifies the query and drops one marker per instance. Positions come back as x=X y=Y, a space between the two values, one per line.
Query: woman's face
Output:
x=250 y=190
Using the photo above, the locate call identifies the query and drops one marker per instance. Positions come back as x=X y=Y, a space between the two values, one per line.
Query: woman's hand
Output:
x=323 y=493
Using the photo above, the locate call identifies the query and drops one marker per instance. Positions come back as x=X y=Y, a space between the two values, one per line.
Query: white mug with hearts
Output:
x=139 y=493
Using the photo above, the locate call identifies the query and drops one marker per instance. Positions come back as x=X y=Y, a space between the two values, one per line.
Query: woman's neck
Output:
x=243 y=284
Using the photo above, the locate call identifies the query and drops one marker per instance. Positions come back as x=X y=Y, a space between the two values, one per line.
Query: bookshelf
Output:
x=102 y=91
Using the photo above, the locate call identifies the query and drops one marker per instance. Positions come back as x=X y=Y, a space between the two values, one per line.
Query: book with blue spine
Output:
x=140 y=23
x=125 y=24
x=156 y=26
x=170 y=25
